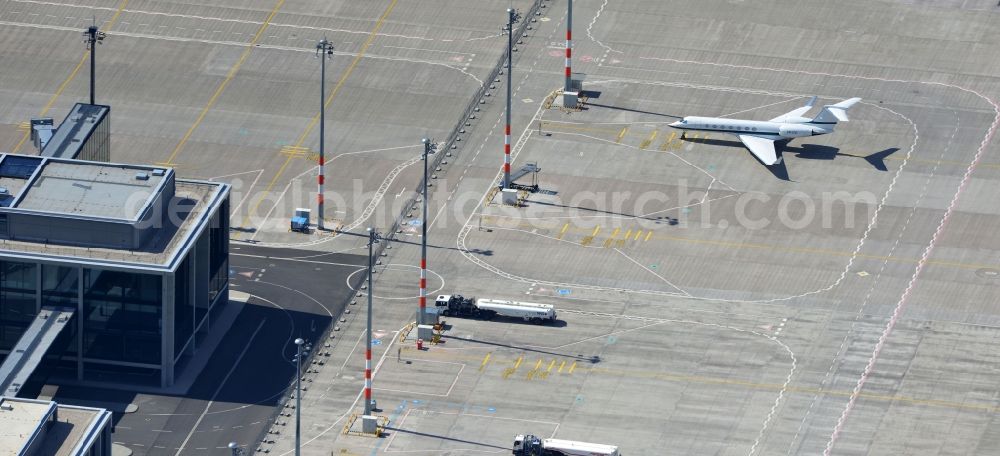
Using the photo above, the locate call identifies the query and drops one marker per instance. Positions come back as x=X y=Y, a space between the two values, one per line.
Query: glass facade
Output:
x=97 y=146
x=17 y=300
x=59 y=285
x=183 y=307
x=218 y=261
x=122 y=316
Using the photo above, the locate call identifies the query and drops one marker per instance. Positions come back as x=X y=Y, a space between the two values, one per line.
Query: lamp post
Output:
x=428 y=149
x=373 y=238
x=298 y=395
x=323 y=51
x=92 y=36
x=512 y=17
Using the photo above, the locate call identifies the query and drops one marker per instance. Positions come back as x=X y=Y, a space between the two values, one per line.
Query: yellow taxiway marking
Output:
x=666 y=144
x=621 y=134
x=666 y=376
x=562 y=232
x=72 y=75
x=551 y=364
x=517 y=363
x=611 y=239
x=637 y=234
x=486 y=359
x=782 y=248
x=225 y=82
x=628 y=234
x=326 y=104
x=538 y=364
x=646 y=142
x=295 y=151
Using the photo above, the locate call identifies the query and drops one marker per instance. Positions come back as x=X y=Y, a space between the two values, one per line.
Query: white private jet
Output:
x=760 y=136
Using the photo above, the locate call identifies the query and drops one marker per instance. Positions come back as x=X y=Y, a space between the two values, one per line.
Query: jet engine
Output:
x=795 y=131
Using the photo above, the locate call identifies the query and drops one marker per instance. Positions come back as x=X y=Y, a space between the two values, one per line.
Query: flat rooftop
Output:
x=74 y=130
x=87 y=188
x=20 y=421
x=198 y=197
x=71 y=428
x=23 y=417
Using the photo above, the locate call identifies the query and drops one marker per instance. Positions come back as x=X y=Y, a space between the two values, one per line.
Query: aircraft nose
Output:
x=676 y=124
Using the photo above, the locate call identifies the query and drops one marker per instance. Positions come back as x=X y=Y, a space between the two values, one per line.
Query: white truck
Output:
x=529 y=445
x=460 y=306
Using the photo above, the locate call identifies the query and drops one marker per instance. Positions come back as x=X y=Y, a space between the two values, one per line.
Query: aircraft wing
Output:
x=797 y=112
x=762 y=148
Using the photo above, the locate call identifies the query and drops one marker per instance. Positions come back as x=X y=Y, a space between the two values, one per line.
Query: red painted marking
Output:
x=423 y=263
x=569 y=35
x=320 y=179
x=423 y=283
x=569 y=53
x=567 y=72
x=319 y=198
x=506 y=168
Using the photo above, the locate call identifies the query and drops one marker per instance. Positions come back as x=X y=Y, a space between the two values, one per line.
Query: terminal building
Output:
x=132 y=260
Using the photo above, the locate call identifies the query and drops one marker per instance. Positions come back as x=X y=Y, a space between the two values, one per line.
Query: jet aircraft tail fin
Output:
x=831 y=114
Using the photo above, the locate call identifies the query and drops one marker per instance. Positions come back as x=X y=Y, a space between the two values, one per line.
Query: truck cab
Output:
x=526 y=445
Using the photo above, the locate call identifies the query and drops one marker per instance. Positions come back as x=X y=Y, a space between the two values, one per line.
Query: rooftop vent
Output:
x=158 y=172
x=141 y=176
x=4 y=191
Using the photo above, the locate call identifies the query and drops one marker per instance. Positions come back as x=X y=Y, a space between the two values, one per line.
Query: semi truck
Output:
x=529 y=445
x=460 y=306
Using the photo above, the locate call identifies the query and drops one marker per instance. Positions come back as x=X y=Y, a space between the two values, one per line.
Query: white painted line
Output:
x=219 y=389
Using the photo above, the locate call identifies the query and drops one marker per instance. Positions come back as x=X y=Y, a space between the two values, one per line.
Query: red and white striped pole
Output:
x=510 y=69
x=368 y=347
x=368 y=380
x=423 y=241
x=323 y=50
x=569 y=46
